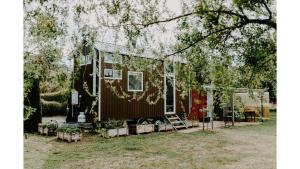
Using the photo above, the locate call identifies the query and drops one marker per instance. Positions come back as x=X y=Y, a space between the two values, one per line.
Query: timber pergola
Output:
x=211 y=88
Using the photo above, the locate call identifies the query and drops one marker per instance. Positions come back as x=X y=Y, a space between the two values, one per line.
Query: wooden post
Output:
x=232 y=108
x=94 y=75
x=203 y=120
x=261 y=107
x=99 y=86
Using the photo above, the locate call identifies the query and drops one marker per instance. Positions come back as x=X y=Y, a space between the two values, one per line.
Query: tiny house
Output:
x=130 y=86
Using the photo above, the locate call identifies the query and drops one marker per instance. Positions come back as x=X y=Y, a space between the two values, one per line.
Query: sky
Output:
x=104 y=33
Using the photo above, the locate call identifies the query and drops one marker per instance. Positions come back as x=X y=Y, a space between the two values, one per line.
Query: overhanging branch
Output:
x=206 y=36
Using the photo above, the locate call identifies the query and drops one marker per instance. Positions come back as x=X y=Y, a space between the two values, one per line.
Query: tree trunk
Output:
x=31 y=124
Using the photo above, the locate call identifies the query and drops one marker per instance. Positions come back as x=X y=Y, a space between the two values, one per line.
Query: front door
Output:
x=170 y=95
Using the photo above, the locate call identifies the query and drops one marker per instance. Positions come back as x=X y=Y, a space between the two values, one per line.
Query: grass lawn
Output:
x=235 y=147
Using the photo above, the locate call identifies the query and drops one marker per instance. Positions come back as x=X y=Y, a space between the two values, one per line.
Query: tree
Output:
x=41 y=61
x=228 y=43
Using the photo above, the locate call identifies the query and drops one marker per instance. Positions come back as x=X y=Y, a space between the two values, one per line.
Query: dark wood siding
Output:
x=113 y=107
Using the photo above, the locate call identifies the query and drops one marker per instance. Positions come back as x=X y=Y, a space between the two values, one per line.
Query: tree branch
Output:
x=263 y=22
x=226 y=12
x=166 y=20
x=204 y=37
x=268 y=9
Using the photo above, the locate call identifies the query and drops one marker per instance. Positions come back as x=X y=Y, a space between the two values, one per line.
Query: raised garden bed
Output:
x=48 y=129
x=117 y=132
x=69 y=134
x=163 y=127
x=141 y=128
x=192 y=123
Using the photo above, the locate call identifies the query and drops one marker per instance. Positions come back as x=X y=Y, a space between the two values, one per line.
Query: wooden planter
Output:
x=69 y=136
x=40 y=128
x=192 y=123
x=163 y=127
x=141 y=128
x=49 y=132
x=117 y=132
x=46 y=130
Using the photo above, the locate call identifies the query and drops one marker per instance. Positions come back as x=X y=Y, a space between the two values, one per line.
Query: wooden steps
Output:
x=175 y=121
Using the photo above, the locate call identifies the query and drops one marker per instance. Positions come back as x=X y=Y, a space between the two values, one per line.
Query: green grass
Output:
x=236 y=147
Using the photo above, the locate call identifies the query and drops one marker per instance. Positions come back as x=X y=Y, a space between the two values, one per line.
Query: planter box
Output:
x=195 y=123
x=117 y=132
x=189 y=123
x=60 y=135
x=163 y=127
x=49 y=132
x=192 y=123
x=40 y=128
x=69 y=136
x=46 y=130
x=142 y=128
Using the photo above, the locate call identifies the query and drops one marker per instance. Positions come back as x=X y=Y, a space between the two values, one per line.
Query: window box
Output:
x=135 y=81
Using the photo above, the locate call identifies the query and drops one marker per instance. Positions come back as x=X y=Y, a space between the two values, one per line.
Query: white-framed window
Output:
x=169 y=67
x=112 y=74
x=84 y=60
x=113 y=58
x=135 y=81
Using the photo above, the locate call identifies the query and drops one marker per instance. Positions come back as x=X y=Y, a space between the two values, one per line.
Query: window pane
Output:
x=112 y=58
x=117 y=74
x=89 y=59
x=117 y=58
x=108 y=58
x=108 y=73
x=169 y=67
x=135 y=81
x=82 y=60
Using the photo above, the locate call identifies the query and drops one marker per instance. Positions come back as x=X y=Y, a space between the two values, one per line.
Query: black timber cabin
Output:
x=127 y=92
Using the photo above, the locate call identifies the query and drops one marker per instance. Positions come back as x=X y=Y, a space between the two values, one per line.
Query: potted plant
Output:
x=142 y=126
x=115 y=128
x=69 y=133
x=192 y=122
x=48 y=128
x=162 y=126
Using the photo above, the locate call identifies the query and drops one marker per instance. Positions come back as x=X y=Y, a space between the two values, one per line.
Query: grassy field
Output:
x=236 y=147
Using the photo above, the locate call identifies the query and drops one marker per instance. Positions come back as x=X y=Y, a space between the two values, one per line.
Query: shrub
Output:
x=113 y=124
x=70 y=130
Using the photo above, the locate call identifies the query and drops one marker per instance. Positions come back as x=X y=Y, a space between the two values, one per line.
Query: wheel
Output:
x=144 y=122
x=157 y=122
